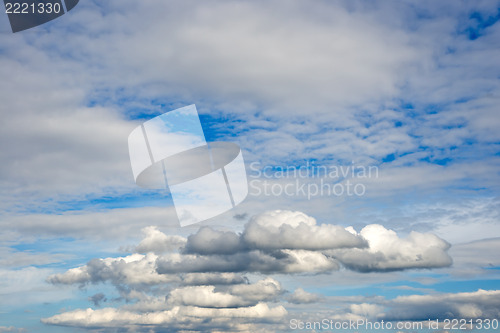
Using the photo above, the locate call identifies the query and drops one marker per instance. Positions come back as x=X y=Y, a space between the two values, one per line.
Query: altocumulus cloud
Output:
x=199 y=283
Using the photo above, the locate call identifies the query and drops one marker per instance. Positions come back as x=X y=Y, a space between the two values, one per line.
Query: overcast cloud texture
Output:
x=411 y=88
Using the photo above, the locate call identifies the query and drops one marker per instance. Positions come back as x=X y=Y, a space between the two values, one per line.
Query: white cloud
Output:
x=325 y=82
x=379 y=249
x=386 y=251
x=130 y=270
x=300 y=296
x=238 y=295
x=295 y=230
x=5 y=329
x=178 y=318
x=478 y=304
x=157 y=242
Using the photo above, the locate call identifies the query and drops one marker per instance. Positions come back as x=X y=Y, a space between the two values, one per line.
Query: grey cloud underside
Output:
x=267 y=248
x=198 y=283
x=479 y=304
x=294 y=234
x=463 y=305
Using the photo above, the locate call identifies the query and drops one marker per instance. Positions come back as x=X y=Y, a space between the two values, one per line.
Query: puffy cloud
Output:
x=263 y=290
x=205 y=296
x=295 y=230
x=272 y=231
x=300 y=296
x=287 y=241
x=235 y=296
x=386 y=251
x=288 y=251
x=195 y=283
x=209 y=241
x=285 y=261
x=157 y=242
x=178 y=318
x=134 y=269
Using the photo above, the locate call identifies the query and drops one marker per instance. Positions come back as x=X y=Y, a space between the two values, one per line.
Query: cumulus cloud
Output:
x=326 y=248
x=296 y=230
x=157 y=242
x=178 y=318
x=287 y=241
x=386 y=251
x=200 y=279
x=300 y=296
x=134 y=269
x=235 y=296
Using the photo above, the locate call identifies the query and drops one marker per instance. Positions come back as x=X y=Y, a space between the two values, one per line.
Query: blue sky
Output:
x=411 y=88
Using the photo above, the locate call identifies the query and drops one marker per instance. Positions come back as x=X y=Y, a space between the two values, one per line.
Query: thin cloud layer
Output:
x=480 y=304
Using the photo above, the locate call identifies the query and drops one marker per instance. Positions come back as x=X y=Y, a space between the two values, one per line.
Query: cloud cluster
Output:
x=461 y=305
x=272 y=242
x=198 y=280
x=199 y=308
x=178 y=318
x=292 y=242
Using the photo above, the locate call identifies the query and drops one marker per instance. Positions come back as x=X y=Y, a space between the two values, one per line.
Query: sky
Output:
x=369 y=130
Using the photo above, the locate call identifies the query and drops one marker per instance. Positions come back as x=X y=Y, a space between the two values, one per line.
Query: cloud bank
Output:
x=200 y=281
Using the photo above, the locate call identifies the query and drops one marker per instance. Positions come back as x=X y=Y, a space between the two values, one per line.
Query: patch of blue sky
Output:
x=64 y=245
x=387 y=290
x=219 y=128
x=135 y=199
x=455 y=286
x=406 y=287
x=42 y=245
x=493 y=268
x=478 y=24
